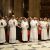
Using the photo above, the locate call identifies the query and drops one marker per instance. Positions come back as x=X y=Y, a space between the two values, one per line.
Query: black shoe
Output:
x=1 y=43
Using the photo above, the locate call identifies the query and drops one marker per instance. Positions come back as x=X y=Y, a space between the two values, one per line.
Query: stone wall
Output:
x=34 y=7
x=18 y=8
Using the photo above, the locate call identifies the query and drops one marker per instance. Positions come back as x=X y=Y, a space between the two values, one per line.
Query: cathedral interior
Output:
x=26 y=8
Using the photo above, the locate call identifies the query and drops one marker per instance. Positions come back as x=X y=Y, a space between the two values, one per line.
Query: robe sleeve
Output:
x=40 y=23
x=27 y=25
x=16 y=23
x=37 y=23
x=22 y=24
x=32 y=24
x=10 y=23
x=47 y=24
x=4 y=23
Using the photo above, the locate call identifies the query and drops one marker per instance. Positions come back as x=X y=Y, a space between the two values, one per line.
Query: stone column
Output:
x=34 y=8
x=6 y=7
x=0 y=4
x=1 y=12
x=18 y=8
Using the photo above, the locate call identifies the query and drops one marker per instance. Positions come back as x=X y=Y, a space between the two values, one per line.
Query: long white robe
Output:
x=24 y=26
x=12 y=36
x=34 y=31
x=44 y=25
x=2 y=31
x=49 y=29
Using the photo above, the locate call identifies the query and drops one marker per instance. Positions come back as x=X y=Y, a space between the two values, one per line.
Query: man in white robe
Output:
x=44 y=25
x=49 y=28
x=24 y=26
x=34 y=30
x=2 y=30
x=12 y=34
x=40 y=28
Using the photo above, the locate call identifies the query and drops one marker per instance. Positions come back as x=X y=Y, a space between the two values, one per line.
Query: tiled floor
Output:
x=41 y=45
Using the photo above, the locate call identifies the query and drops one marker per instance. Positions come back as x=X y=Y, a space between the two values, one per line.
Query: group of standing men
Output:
x=34 y=25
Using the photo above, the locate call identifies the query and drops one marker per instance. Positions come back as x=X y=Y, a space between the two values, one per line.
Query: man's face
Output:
x=45 y=19
x=30 y=18
x=13 y=16
x=35 y=18
x=25 y=19
x=41 y=19
x=3 y=18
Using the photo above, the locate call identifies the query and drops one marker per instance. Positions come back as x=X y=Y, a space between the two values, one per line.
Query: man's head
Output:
x=35 y=18
x=41 y=19
x=45 y=19
x=3 y=17
x=24 y=19
x=13 y=16
x=30 y=18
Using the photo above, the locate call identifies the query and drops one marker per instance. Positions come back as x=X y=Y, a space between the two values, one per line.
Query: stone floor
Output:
x=41 y=45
